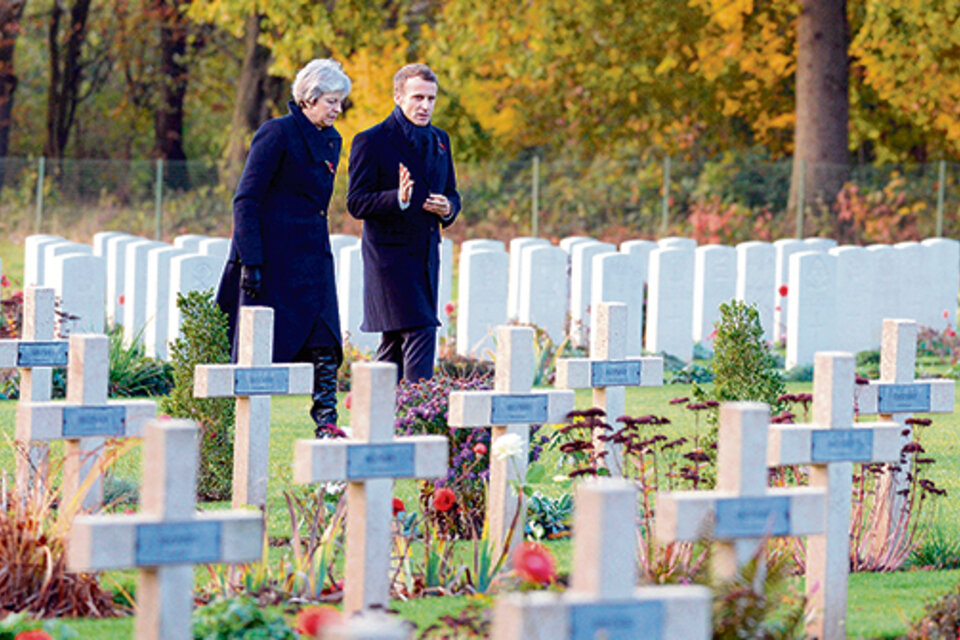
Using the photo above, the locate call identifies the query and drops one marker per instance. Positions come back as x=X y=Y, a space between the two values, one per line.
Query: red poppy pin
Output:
x=330 y=166
x=442 y=146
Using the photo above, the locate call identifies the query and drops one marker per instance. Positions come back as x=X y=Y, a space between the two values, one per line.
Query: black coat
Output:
x=280 y=223
x=401 y=253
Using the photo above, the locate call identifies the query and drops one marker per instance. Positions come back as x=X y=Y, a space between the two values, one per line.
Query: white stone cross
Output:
x=252 y=381
x=742 y=511
x=603 y=600
x=168 y=536
x=830 y=446
x=369 y=462
x=509 y=409
x=86 y=418
x=898 y=395
x=608 y=371
x=34 y=354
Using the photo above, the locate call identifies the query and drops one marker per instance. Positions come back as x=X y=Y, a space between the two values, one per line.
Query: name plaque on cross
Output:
x=43 y=354
x=380 y=461
x=166 y=543
x=614 y=373
x=261 y=381
x=903 y=398
x=81 y=422
x=616 y=621
x=752 y=517
x=841 y=445
x=518 y=409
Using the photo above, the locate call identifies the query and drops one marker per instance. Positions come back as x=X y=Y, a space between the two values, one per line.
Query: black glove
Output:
x=250 y=280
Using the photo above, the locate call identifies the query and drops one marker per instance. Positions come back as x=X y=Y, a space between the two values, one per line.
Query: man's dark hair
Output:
x=411 y=70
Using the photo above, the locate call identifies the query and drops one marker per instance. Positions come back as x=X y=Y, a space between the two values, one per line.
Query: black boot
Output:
x=324 y=409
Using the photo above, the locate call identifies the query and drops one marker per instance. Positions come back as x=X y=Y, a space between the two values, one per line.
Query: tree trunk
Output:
x=66 y=74
x=11 y=11
x=168 y=122
x=821 y=137
x=250 y=108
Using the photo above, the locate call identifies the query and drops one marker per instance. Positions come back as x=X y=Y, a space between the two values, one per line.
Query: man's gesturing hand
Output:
x=437 y=203
x=406 y=185
x=250 y=280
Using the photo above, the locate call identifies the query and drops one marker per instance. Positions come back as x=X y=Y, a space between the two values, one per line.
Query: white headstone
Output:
x=855 y=275
x=445 y=286
x=811 y=325
x=58 y=249
x=483 y=300
x=756 y=275
x=543 y=289
x=714 y=282
x=167 y=537
x=135 y=288
x=80 y=281
x=914 y=292
x=581 y=281
x=350 y=296
x=670 y=303
x=100 y=241
x=568 y=243
x=819 y=244
x=116 y=255
x=192 y=272
x=481 y=244
x=884 y=288
x=942 y=267
x=158 y=300
x=33 y=263
x=785 y=248
x=616 y=278
x=640 y=250
x=677 y=242
x=339 y=242
x=513 y=291
x=218 y=247
x=190 y=242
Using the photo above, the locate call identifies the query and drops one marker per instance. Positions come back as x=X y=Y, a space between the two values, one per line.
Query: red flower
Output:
x=5 y=282
x=480 y=449
x=777 y=308
x=163 y=416
x=449 y=308
x=348 y=401
x=950 y=333
x=533 y=562
x=36 y=634
x=121 y=298
x=444 y=498
x=312 y=619
x=946 y=313
x=330 y=166
x=398 y=506
x=782 y=291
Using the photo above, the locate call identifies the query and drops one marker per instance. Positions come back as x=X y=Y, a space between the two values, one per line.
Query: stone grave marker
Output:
x=898 y=395
x=854 y=310
x=608 y=371
x=339 y=242
x=829 y=447
x=581 y=281
x=670 y=302
x=100 y=240
x=35 y=354
x=191 y=272
x=756 y=278
x=350 y=297
x=115 y=253
x=484 y=275
x=252 y=381
x=677 y=242
x=742 y=511
x=942 y=257
x=517 y=245
x=189 y=241
x=603 y=600
x=714 y=282
x=568 y=243
x=616 y=278
x=811 y=321
x=79 y=280
x=158 y=300
x=369 y=462
x=85 y=419
x=57 y=249
x=784 y=248
x=444 y=289
x=168 y=536
x=884 y=289
x=510 y=408
x=136 y=288
x=544 y=286
x=819 y=244
x=914 y=291
x=33 y=263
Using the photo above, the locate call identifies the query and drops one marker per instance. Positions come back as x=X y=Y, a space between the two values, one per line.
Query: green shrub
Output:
x=134 y=374
x=203 y=341
x=941 y=621
x=240 y=618
x=17 y=623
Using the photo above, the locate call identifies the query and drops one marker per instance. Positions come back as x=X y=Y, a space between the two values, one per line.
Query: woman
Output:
x=280 y=255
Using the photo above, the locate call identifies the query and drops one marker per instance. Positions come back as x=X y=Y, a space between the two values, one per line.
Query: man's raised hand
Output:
x=406 y=185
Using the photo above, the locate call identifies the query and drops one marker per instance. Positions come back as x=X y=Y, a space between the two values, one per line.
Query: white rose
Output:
x=507 y=446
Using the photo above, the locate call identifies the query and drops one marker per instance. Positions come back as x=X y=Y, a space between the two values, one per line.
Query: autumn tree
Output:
x=11 y=12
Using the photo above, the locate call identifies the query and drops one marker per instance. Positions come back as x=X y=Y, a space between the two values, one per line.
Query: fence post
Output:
x=41 y=170
x=535 y=204
x=801 y=189
x=941 y=188
x=158 y=202
x=665 y=205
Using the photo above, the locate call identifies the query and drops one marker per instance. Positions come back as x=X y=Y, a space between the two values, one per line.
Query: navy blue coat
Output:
x=400 y=248
x=280 y=223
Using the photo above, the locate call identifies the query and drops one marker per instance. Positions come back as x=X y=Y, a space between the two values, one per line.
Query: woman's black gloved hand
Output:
x=250 y=280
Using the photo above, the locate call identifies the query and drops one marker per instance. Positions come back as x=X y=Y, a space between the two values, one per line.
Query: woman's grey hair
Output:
x=318 y=77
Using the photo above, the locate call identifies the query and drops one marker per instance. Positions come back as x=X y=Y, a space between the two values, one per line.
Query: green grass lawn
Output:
x=881 y=605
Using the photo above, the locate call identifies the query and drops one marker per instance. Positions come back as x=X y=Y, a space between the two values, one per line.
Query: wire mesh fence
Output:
x=728 y=199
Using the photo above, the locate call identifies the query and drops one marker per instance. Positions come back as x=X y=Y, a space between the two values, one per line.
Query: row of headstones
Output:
x=811 y=292
x=124 y=280
x=371 y=460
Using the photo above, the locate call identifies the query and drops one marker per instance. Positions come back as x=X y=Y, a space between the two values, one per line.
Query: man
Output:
x=403 y=187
